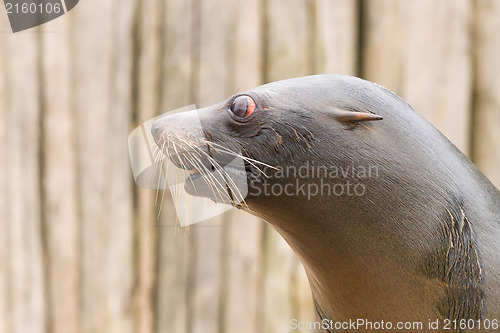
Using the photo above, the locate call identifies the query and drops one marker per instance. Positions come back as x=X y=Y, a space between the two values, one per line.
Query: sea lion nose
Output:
x=155 y=129
x=167 y=124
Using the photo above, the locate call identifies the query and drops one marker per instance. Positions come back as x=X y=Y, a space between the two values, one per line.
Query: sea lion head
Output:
x=309 y=122
x=302 y=142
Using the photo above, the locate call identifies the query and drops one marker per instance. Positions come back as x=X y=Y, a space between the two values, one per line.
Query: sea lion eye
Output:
x=242 y=106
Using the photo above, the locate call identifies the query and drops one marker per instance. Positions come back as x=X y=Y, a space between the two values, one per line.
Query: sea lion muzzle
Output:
x=215 y=171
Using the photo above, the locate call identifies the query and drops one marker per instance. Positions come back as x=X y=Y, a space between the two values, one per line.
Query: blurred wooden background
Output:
x=81 y=250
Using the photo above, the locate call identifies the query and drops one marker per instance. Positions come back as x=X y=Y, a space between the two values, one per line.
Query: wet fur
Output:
x=455 y=263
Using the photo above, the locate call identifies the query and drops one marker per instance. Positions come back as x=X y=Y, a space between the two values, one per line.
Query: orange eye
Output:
x=242 y=106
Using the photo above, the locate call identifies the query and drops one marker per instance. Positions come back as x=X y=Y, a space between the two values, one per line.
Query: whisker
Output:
x=208 y=173
x=208 y=177
x=226 y=176
x=247 y=159
x=159 y=175
x=162 y=195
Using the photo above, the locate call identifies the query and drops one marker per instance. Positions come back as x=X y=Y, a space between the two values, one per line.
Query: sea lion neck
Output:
x=392 y=222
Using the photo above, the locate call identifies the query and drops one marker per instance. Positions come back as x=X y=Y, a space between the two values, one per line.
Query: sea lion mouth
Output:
x=219 y=185
x=212 y=160
x=209 y=170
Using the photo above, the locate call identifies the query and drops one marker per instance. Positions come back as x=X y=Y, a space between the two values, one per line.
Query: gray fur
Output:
x=422 y=243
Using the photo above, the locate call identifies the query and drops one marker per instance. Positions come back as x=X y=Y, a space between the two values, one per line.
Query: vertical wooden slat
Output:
x=241 y=290
x=206 y=293
x=336 y=36
x=213 y=38
x=148 y=55
x=243 y=232
x=60 y=190
x=211 y=79
x=280 y=265
x=441 y=92
x=178 y=54
x=5 y=299
x=118 y=210
x=289 y=36
x=421 y=50
x=91 y=89
x=245 y=45
x=289 y=54
x=487 y=112
x=103 y=104
x=172 y=306
x=384 y=35
x=27 y=283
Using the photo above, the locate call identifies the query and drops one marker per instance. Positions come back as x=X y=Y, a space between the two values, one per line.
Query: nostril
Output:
x=155 y=129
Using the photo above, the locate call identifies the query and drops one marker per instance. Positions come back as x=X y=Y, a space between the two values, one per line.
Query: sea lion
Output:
x=417 y=242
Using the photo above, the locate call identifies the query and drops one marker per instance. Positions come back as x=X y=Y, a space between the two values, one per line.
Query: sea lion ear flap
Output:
x=352 y=117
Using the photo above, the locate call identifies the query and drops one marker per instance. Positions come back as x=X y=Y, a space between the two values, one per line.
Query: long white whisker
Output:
x=159 y=173
x=209 y=174
x=220 y=169
x=229 y=151
x=246 y=159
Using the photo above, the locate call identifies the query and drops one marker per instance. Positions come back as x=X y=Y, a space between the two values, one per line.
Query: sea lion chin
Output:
x=420 y=243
